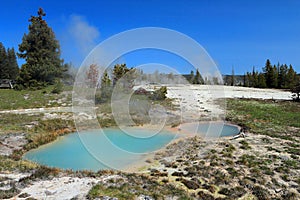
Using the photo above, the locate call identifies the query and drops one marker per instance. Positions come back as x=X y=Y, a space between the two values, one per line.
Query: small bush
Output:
x=7 y=194
x=260 y=193
x=58 y=87
x=245 y=145
x=159 y=94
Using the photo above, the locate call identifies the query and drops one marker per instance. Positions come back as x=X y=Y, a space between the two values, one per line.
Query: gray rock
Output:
x=11 y=142
x=144 y=197
x=293 y=184
x=5 y=151
x=284 y=157
x=49 y=193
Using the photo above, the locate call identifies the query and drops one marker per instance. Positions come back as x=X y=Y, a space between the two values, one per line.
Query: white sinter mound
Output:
x=198 y=101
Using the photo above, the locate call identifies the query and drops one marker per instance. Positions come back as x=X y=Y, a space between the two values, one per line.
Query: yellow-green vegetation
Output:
x=135 y=186
x=16 y=122
x=8 y=164
x=41 y=132
x=47 y=131
x=121 y=192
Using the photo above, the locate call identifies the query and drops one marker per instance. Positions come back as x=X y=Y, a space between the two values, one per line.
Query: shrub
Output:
x=159 y=94
x=104 y=95
x=58 y=87
x=260 y=192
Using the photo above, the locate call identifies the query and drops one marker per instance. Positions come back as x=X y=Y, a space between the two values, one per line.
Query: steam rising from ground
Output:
x=85 y=36
x=77 y=38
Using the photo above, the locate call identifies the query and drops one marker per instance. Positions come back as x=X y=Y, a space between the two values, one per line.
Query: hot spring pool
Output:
x=110 y=148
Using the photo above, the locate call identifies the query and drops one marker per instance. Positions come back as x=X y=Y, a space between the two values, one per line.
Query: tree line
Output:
x=43 y=64
x=9 y=68
x=280 y=76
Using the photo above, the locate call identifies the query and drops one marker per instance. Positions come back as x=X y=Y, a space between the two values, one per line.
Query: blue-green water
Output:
x=211 y=129
x=112 y=148
x=94 y=150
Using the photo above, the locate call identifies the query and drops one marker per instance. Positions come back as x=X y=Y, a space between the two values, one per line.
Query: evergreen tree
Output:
x=282 y=76
x=198 y=78
x=127 y=76
x=261 y=81
x=215 y=81
x=192 y=76
x=291 y=77
x=249 y=80
x=41 y=51
x=268 y=73
x=13 y=67
x=3 y=63
x=254 y=78
x=245 y=80
x=232 y=80
x=275 y=77
x=105 y=81
x=105 y=89
x=271 y=75
x=118 y=72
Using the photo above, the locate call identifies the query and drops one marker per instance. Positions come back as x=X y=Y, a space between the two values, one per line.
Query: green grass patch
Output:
x=8 y=164
x=16 y=122
x=24 y=99
x=117 y=192
x=266 y=117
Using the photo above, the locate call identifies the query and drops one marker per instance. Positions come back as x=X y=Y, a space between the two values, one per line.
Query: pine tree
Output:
x=12 y=64
x=248 y=80
x=282 y=76
x=198 y=78
x=291 y=77
x=192 y=76
x=3 y=62
x=105 y=89
x=41 y=51
x=268 y=71
x=232 y=80
x=118 y=72
x=105 y=81
x=271 y=75
x=275 y=77
x=254 y=78
x=125 y=77
x=261 y=81
x=245 y=80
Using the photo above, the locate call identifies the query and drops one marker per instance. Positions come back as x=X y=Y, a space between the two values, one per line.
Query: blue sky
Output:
x=239 y=34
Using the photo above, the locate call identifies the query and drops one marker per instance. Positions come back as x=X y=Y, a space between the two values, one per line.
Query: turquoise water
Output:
x=94 y=150
x=113 y=148
x=211 y=129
